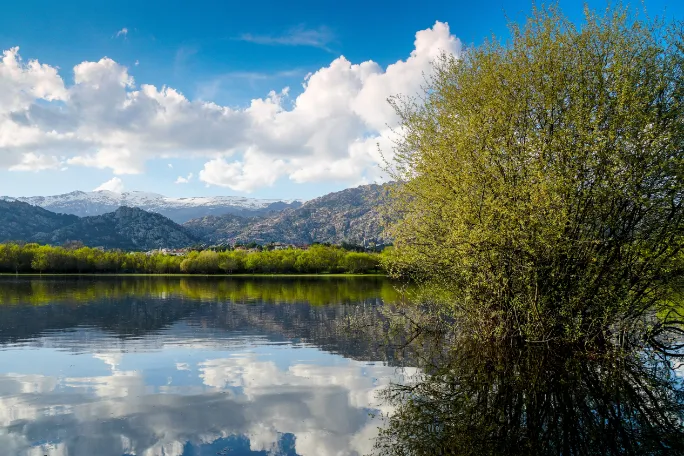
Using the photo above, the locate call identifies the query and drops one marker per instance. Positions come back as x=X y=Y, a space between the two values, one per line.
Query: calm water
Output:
x=192 y=366
x=188 y=367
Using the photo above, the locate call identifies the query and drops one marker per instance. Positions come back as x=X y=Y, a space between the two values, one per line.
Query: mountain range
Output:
x=350 y=215
x=179 y=210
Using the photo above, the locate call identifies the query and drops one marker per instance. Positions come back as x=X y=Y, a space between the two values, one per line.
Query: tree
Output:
x=254 y=262
x=40 y=260
x=359 y=262
x=11 y=257
x=540 y=181
x=319 y=258
x=229 y=262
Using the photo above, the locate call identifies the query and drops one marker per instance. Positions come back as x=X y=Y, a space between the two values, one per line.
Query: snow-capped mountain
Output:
x=177 y=209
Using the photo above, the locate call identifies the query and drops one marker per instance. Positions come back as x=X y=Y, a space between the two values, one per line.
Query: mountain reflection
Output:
x=211 y=310
x=187 y=367
x=515 y=399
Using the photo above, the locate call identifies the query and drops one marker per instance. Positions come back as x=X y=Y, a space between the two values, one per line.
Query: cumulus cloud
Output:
x=123 y=32
x=253 y=171
x=32 y=162
x=331 y=131
x=184 y=180
x=113 y=185
x=22 y=84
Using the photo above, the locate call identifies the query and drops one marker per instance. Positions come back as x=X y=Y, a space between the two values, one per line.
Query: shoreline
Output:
x=104 y=274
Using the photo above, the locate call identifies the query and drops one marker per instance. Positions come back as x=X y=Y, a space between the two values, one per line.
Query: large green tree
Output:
x=541 y=178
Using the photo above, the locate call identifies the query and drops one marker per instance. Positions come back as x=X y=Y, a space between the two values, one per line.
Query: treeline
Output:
x=318 y=259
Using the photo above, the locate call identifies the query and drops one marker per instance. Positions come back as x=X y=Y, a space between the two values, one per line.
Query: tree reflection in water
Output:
x=507 y=397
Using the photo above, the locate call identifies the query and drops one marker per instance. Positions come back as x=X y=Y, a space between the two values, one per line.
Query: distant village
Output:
x=255 y=247
x=252 y=247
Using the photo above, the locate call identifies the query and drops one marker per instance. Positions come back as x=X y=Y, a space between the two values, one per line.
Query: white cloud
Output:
x=184 y=180
x=21 y=84
x=255 y=170
x=113 y=185
x=32 y=162
x=121 y=160
x=330 y=131
x=123 y=32
x=297 y=36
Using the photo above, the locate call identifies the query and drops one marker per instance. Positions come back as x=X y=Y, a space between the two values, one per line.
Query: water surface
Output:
x=272 y=366
x=189 y=366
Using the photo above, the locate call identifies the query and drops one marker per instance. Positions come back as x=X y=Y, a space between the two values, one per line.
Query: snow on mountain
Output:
x=177 y=209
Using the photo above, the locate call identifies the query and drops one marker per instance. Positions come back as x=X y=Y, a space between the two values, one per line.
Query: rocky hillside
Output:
x=126 y=228
x=351 y=215
x=21 y=221
x=217 y=229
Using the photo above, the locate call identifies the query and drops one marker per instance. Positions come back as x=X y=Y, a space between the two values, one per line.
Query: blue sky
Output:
x=69 y=125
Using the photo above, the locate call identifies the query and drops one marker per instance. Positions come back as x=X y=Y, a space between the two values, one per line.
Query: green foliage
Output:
x=541 y=180
x=359 y=262
x=32 y=258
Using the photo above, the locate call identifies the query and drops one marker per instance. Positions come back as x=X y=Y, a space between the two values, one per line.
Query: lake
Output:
x=185 y=366
x=189 y=366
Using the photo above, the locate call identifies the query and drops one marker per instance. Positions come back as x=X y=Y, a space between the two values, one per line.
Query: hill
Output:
x=350 y=215
x=126 y=228
x=219 y=229
x=22 y=221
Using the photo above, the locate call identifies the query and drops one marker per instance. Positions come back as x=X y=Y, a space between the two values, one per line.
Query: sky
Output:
x=267 y=99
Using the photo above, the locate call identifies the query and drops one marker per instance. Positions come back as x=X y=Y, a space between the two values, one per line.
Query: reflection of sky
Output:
x=165 y=395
